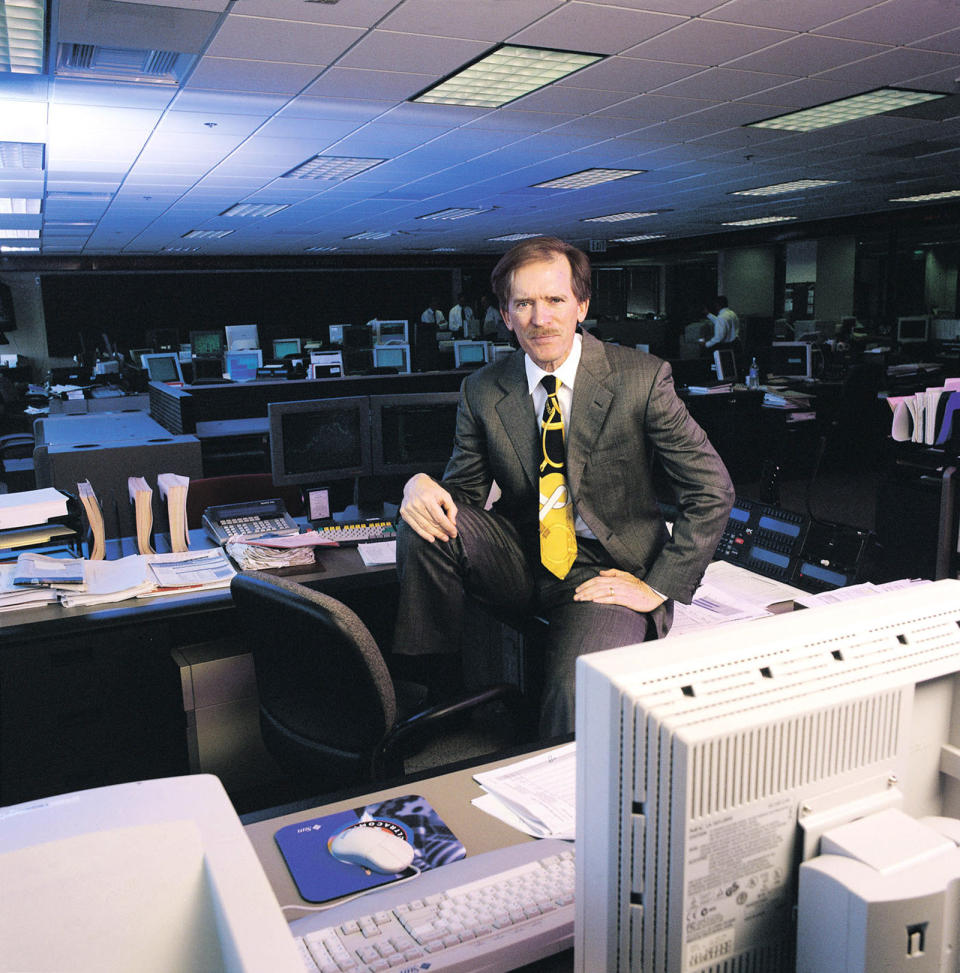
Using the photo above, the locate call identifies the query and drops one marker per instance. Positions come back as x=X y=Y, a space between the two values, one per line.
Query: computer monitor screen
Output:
x=791 y=359
x=706 y=778
x=469 y=353
x=392 y=356
x=134 y=355
x=413 y=433
x=163 y=366
x=206 y=344
x=726 y=365
x=241 y=337
x=286 y=346
x=241 y=366
x=392 y=332
x=335 y=331
x=911 y=330
x=317 y=440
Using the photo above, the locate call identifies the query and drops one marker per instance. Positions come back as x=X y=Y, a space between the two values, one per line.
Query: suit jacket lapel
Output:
x=591 y=402
x=516 y=416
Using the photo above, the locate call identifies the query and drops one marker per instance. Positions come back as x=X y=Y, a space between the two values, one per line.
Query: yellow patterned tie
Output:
x=558 y=542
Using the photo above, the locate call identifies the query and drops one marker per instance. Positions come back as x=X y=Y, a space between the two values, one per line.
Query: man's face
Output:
x=543 y=311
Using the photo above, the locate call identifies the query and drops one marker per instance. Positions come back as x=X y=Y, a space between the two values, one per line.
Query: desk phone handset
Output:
x=233 y=520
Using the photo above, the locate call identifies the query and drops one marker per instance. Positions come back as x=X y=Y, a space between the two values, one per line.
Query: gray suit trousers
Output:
x=489 y=562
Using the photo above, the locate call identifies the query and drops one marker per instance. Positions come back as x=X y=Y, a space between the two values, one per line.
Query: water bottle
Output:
x=753 y=378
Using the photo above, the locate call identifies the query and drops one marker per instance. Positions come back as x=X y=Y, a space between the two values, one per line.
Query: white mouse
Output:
x=372 y=847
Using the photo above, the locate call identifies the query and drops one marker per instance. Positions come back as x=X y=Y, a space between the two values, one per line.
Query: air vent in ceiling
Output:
x=94 y=63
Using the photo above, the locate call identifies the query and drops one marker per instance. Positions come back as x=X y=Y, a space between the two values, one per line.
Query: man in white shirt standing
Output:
x=726 y=324
x=462 y=318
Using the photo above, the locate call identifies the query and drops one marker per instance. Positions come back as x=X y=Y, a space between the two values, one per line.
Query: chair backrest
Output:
x=214 y=490
x=326 y=696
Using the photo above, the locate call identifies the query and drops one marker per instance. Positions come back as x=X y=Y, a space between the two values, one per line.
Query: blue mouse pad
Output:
x=319 y=876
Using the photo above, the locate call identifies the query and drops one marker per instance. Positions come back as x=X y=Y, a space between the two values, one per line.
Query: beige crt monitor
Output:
x=151 y=876
x=710 y=764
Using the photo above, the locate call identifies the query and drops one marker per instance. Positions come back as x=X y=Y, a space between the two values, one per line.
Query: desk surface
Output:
x=449 y=793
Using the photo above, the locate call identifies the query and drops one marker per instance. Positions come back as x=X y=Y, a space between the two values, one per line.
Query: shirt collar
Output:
x=565 y=373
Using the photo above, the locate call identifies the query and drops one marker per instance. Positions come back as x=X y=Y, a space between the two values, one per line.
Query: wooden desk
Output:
x=91 y=696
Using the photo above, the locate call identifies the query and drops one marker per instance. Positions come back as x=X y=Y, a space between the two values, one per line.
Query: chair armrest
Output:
x=429 y=721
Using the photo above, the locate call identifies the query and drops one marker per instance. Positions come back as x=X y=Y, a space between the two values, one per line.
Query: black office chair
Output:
x=330 y=712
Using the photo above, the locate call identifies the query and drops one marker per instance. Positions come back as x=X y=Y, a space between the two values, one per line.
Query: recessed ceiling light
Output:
x=617 y=217
x=332 y=168
x=928 y=197
x=505 y=74
x=761 y=221
x=798 y=185
x=457 y=213
x=371 y=235
x=587 y=177
x=510 y=237
x=19 y=204
x=255 y=209
x=444 y=250
x=181 y=249
x=320 y=249
x=19 y=234
x=847 y=109
x=21 y=36
x=638 y=237
x=21 y=155
x=206 y=234
x=5 y=249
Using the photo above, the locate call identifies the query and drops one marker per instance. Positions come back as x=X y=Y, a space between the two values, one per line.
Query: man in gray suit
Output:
x=620 y=415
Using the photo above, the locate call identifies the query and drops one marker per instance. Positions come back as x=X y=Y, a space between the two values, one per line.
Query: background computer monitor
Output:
x=392 y=356
x=318 y=440
x=726 y=364
x=790 y=359
x=912 y=330
x=413 y=433
x=241 y=366
x=286 y=346
x=163 y=366
x=705 y=779
x=392 y=332
x=500 y=351
x=335 y=333
x=134 y=355
x=241 y=337
x=469 y=353
x=206 y=344
x=326 y=364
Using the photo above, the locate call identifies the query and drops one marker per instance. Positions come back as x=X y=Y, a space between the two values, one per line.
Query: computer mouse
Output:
x=373 y=848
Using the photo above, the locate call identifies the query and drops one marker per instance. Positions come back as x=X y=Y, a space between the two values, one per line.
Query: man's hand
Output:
x=615 y=587
x=429 y=509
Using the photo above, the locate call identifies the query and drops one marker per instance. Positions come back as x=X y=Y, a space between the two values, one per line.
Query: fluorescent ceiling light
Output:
x=5 y=249
x=638 y=237
x=587 y=177
x=21 y=155
x=21 y=36
x=371 y=235
x=761 y=221
x=255 y=209
x=457 y=213
x=847 y=109
x=617 y=217
x=181 y=249
x=505 y=74
x=206 y=234
x=320 y=249
x=444 y=250
x=19 y=234
x=798 y=185
x=19 y=204
x=332 y=168
x=928 y=197
x=510 y=237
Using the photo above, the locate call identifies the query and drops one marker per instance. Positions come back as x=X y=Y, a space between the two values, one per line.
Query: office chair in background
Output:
x=330 y=712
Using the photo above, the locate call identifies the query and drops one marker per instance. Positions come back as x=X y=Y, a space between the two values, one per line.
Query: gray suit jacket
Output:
x=625 y=415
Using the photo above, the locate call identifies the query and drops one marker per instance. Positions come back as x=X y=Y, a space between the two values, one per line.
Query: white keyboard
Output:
x=492 y=912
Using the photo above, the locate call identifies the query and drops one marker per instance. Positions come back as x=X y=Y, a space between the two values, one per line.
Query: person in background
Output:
x=491 y=324
x=577 y=534
x=433 y=314
x=726 y=325
x=463 y=321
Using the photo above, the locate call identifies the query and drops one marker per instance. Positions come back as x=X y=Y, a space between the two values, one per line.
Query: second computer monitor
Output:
x=725 y=363
x=241 y=366
x=163 y=366
x=791 y=359
x=396 y=357
x=413 y=433
x=469 y=354
x=242 y=337
x=286 y=346
x=206 y=344
x=912 y=329
x=392 y=332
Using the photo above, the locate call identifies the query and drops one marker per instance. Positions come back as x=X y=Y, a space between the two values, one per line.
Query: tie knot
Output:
x=550 y=383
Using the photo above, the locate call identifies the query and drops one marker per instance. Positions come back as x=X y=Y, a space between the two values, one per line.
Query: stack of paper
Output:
x=49 y=572
x=925 y=417
x=537 y=796
x=21 y=596
x=141 y=496
x=173 y=489
x=91 y=507
x=31 y=507
x=191 y=570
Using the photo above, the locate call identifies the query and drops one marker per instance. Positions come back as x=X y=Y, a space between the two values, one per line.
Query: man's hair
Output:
x=541 y=248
